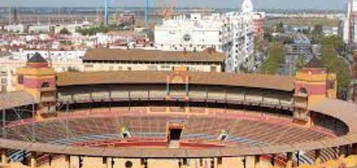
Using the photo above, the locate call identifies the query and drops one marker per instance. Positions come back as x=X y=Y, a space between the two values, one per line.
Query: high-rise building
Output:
x=231 y=33
x=350 y=28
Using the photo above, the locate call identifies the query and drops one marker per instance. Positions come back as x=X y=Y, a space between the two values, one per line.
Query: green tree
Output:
x=336 y=63
x=276 y=55
x=280 y=27
x=318 y=29
x=65 y=31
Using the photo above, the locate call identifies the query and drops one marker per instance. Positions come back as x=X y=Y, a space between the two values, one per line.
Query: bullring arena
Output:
x=175 y=119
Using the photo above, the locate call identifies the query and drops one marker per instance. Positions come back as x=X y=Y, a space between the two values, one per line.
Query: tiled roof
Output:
x=104 y=54
x=283 y=83
x=15 y=99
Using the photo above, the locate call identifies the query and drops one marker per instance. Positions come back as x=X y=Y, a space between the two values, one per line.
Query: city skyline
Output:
x=268 y=4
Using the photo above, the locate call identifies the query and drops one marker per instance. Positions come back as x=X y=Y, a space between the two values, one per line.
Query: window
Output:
x=330 y=84
x=20 y=79
x=45 y=85
x=303 y=91
x=128 y=164
x=3 y=81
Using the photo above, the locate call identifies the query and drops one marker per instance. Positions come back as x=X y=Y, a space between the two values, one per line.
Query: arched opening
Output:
x=128 y=164
x=303 y=91
x=45 y=85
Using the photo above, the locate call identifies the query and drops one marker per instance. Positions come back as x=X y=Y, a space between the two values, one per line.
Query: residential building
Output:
x=259 y=20
x=104 y=59
x=350 y=28
x=230 y=33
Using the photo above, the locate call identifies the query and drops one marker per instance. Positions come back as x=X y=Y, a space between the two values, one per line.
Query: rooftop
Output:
x=15 y=99
x=105 y=54
x=37 y=58
x=283 y=83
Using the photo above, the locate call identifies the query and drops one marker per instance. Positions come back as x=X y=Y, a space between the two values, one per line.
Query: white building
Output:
x=18 y=28
x=330 y=30
x=230 y=33
x=350 y=28
x=39 y=28
x=54 y=55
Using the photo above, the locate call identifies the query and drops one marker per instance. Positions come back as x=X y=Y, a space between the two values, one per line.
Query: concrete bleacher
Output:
x=153 y=92
x=201 y=125
x=246 y=131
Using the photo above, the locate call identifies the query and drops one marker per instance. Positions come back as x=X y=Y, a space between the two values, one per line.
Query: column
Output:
x=179 y=163
x=143 y=163
x=4 y=159
x=201 y=162
x=273 y=160
x=105 y=162
x=289 y=160
x=219 y=162
x=250 y=161
x=212 y=163
x=33 y=160
x=184 y=163
x=297 y=158
x=257 y=161
x=68 y=161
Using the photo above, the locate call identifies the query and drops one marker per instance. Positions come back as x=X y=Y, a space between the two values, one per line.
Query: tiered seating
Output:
x=251 y=131
x=100 y=93
x=325 y=154
x=235 y=94
x=270 y=97
x=216 y=93
x=285 y=99
x=139 y=92
x=178 y=109
x=120 y=93
x=157 y=91
x=197 y=92
x=64 y=96
x=82 y=94
x=253 y=95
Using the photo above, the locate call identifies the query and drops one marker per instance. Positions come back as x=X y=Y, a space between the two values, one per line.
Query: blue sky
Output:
x=284 y=4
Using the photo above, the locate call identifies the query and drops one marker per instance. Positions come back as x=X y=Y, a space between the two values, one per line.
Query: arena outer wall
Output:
x=249 y=90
